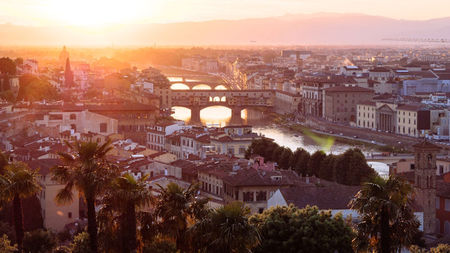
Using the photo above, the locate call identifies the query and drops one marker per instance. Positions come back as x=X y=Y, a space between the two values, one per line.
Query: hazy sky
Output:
x=99 y=12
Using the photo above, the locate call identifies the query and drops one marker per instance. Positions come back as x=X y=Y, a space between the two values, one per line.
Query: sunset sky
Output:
x=100 y=12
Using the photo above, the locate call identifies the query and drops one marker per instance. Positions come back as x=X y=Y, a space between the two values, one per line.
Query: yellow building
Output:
x=407 y=120
x=366 y=115
x=55 y=216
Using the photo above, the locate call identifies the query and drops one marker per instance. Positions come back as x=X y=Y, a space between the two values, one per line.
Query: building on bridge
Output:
x=236 y=100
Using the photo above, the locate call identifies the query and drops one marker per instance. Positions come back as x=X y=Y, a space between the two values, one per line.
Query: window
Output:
x=447 y=205
x=55 y=117
x=69 y=215
x=248 y=196
x=73 y=116
x=438 y=204
x=261 y=196
x=103 y=127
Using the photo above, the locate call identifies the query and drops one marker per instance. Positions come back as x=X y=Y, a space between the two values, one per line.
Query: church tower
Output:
x=425 y=182
x=63 y=56
x=68 y=75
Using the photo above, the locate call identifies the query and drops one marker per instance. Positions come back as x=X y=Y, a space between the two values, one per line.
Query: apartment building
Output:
x=340 y=102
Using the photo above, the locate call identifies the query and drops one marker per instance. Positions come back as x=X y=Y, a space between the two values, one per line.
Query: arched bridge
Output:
x=236 y=100
x=192 y=84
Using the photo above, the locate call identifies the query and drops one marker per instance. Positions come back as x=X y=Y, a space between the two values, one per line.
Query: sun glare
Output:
x=100 y=12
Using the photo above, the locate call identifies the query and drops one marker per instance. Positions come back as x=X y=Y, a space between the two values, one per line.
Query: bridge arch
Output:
x=202 y=87
x=179 y=86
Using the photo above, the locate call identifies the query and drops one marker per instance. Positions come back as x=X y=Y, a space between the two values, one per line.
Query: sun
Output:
x=100 y=12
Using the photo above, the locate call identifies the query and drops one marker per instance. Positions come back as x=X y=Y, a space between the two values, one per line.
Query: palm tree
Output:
x=4 y=161
x=387 y=221
x=227 y=229
x=18 y=182
x=126 y=195
x=87 y=170
x=175 y=208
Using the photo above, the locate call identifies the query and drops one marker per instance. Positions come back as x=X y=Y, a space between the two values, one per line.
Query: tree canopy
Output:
x=289 y=229
x=33 y=88
x=7 y=66
x=349 y=168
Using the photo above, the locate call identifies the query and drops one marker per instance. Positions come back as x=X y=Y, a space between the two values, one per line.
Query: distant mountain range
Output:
x=312 y=29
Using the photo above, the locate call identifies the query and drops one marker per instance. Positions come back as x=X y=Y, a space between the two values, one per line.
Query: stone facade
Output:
x=425 y=182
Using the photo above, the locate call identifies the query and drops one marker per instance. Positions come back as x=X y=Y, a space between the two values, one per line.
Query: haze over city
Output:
x=226 y=126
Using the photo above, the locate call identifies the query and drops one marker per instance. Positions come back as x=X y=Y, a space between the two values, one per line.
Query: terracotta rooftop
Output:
x=347 y=89
x=330 y=196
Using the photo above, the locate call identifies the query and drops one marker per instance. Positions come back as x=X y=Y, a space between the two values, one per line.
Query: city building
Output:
x=340 y=102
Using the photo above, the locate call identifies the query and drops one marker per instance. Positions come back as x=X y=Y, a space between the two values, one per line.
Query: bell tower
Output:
x=425 y=182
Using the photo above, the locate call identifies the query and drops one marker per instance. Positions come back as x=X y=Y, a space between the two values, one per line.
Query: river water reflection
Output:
x=219 y=116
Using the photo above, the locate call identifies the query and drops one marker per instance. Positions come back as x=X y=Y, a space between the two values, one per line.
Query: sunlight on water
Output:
x=201 y=87
x=381 y=168
x=179 y=86
x=220 y=87
x=215 y=116
x=181 y=113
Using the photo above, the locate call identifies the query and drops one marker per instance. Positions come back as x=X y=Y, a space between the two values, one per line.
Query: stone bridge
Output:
x=192 y=84
x=236 y=100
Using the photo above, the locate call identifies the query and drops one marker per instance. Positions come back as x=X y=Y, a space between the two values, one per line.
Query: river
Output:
x=219 y=116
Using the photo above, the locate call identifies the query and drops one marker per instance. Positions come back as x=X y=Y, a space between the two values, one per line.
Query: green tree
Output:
x=263 y=147
x=289 y=229
x=175 y=208
x=81 y=243
x=285 y=158
x=300 y=161
x=87 y=170
x=39 y=241
x=441 y=248
x=327 y=168
x=387 y=220
x=276 y=155
x=159 y=246
x=16 y=183
x=352 y=169
x=33 y=88
x=5 y=245
x=125 y=195
x=7 y=66
x=227 y=229
x=315 y=162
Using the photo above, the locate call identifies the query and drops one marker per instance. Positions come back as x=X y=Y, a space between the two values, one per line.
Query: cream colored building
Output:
x=54 y=215
x=366 y=115
x=390 y=117
x=407 y=120
x=80 y=121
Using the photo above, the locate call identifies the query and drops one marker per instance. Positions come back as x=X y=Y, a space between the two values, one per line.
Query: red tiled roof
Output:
x=347 y=89
x=330 y=196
